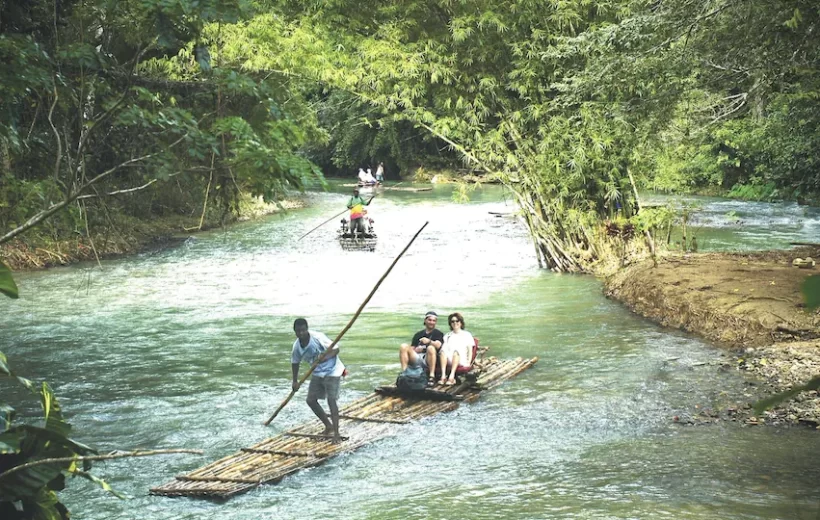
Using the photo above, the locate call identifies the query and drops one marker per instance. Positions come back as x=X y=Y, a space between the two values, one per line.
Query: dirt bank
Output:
x=121 y=236
x=749 y=303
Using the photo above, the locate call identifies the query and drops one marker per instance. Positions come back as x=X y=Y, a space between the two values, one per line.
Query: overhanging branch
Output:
x=72 y=196
x=110 y=456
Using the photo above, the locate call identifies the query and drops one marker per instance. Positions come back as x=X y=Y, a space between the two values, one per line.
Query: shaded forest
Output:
x=113 y=111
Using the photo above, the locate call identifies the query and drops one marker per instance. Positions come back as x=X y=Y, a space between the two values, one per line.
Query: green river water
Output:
x=189 y=348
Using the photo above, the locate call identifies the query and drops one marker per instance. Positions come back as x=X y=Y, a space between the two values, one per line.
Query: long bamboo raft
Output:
x=361 y=422
x=387 y=188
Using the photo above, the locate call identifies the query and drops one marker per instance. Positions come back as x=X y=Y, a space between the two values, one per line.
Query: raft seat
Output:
x=461 y=370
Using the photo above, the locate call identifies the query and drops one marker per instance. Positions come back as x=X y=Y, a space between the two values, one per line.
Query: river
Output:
x=189 y=348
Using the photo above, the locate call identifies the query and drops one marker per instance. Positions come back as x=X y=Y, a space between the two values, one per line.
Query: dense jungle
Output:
x=127 y=125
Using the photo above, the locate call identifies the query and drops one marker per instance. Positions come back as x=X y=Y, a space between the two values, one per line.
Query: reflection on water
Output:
x=189 y=348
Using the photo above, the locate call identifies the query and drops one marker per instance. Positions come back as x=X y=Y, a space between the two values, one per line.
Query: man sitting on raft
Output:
x=424 y=348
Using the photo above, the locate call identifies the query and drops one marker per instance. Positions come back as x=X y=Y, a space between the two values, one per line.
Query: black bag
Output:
x=412 y=379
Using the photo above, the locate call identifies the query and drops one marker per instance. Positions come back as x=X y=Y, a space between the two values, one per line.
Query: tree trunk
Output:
x=5 y=159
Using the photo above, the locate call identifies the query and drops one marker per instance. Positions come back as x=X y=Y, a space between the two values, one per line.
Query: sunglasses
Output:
x=455 y=321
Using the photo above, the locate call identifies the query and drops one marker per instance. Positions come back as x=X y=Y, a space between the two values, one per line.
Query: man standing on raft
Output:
x=356 y=206
x=326 y=377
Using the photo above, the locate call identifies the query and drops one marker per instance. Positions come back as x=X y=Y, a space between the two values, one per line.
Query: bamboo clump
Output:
x=363 y=421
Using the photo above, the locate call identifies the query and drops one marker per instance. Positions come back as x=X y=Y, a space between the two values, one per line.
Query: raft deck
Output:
x=365 y=243
x=361 y=422
x=385 y=188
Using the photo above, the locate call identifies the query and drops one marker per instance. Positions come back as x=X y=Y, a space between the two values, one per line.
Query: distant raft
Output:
x=364 y=421
x=382 y=187
x=408 y=188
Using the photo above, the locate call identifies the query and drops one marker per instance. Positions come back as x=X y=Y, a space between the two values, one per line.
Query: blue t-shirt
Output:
x=318 y=343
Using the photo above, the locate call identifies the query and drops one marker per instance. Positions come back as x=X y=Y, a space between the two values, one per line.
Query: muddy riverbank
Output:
x=749 y=303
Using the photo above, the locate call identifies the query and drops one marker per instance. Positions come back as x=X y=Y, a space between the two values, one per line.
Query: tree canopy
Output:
x=107 y=97
x=574 y=104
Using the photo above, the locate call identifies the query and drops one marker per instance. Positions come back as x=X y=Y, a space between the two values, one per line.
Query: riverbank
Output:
x=749 y=303
x=122 y=235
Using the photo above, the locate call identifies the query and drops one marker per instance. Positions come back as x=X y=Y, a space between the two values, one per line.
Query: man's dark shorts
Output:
x=324 y=388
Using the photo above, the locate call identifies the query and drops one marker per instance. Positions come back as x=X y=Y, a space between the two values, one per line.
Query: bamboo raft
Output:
x=363 y=242
x=408 y=188
x=362 y=422
x=386 y=188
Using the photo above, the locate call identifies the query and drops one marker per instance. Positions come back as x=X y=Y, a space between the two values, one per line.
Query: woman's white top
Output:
x=462 y=343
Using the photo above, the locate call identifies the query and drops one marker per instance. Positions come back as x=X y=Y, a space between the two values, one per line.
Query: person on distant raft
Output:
x=326 y=378
x=457 y=349
x=380 y=172
x=368 y=178
x=423 y=349
x=356 y=206
x=362 y=176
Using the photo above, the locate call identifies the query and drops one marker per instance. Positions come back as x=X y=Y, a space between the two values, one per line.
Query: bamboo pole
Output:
x=350 y=324
x=280 y=452
x=371 y=419
x=322 y=224
x=313 y=436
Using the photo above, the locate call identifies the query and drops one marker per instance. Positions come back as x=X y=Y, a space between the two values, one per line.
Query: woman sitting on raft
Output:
x=457 y=349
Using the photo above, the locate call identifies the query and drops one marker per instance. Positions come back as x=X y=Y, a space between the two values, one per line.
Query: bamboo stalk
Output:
x=210 y=479
x=313 y=436
x=360 y=404
x=511 y=372
x=386 y=405
x=371 y=419
x=350 y=324
x=337 y=215
x=216 y=466
x=110 y=456
x=281 y=452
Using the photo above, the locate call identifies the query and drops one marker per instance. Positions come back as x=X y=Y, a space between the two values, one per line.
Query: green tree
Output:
x=574 y=103
x=111 y=98
x=485 y=79
x=362 y=134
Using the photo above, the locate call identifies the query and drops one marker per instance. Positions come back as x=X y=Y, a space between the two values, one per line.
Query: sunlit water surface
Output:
x=188 y=348
x=725 y=224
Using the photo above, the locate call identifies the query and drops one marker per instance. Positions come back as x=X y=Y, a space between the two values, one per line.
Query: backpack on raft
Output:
x=412 y=379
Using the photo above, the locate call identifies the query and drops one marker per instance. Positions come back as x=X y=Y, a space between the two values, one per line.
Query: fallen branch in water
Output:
x=112 y=455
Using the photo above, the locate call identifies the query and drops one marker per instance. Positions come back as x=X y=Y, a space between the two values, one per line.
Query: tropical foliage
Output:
x=130 y=99
x=28 y=488
x=7 y=285
x=573 y=104
x=576 y=103
x=362 y=135
x=749 y=118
